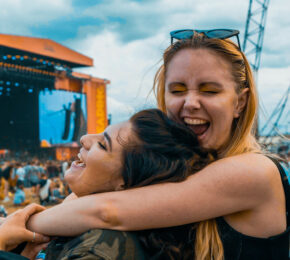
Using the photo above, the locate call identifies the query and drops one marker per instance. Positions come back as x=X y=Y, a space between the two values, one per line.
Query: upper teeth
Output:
x=191 y=121
x=80 y=157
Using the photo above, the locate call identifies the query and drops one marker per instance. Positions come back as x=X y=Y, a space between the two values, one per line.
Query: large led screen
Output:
x=62 y=117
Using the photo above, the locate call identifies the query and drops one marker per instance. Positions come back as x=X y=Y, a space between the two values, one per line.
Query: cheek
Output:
x=222 y=107
x=173 y=104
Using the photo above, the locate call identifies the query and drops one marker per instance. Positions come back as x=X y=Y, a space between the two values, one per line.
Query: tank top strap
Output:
x=286 y=187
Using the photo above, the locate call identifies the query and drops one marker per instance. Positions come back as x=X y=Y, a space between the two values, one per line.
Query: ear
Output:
x=242 y=101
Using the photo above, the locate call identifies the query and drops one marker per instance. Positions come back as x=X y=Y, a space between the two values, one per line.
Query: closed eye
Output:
x=210 y=91
x=177 y=91
x=102 y=146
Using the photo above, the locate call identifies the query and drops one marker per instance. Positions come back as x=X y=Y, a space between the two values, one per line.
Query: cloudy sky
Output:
x=126 y=39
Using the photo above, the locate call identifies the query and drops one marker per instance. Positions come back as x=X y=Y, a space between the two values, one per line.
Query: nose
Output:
x=192 y=101
x=87 y=140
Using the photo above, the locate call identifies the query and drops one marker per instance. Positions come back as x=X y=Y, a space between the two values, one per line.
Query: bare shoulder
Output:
x=254 y=167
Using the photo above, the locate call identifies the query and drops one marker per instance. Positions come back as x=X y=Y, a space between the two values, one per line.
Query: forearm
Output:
x=73 y=217
x=133 y=209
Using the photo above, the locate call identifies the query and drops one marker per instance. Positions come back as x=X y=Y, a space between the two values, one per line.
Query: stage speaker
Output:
x=67 y=122
x=77 y=119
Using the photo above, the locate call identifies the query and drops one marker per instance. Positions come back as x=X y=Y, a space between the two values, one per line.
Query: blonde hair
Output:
x=208 y=244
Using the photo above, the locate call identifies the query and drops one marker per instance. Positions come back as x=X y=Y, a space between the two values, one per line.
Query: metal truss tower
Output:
x=254 y=32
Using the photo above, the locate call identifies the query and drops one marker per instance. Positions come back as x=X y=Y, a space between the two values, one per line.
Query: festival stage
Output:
x=45 y=105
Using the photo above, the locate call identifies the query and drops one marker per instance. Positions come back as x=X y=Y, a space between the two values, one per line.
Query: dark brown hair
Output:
x=165 y=151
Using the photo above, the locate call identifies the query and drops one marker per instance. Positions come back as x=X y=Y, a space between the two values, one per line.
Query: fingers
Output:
x=36 y=237
x=32 y=209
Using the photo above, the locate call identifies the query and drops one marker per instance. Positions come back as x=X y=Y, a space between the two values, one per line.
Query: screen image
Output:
x=62 y=117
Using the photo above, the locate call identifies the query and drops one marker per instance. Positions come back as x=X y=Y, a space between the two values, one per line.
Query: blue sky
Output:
x=126 y=39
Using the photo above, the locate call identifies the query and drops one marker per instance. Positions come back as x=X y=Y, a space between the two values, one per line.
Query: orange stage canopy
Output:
x=45 y=47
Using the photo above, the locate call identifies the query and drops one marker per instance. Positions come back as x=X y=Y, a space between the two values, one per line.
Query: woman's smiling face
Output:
x=100 y=162
x=200 y=92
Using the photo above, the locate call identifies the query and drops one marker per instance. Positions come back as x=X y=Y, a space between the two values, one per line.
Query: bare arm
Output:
x=73 y=217
x=229 y=185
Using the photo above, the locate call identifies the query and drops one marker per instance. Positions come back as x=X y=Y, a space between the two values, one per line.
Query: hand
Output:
x=13 y=231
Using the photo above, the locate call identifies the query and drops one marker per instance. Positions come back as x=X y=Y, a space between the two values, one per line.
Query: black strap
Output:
x=286 y=187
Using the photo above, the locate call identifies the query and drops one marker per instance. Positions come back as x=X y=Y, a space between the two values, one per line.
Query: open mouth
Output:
x=198 y=126
x=79 y=162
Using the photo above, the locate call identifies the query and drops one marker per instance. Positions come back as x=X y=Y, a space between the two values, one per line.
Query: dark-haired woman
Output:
x=149 y=148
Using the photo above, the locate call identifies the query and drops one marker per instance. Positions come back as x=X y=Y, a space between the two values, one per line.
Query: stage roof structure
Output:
x=43 y=47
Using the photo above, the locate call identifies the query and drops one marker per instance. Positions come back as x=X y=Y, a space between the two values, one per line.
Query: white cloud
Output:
x=130 y=67
x=18 y=16
x=272 y=84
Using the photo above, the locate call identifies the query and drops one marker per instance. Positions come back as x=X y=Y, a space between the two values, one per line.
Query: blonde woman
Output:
x=239 y=202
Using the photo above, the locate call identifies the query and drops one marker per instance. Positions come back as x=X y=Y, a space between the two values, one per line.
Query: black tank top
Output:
x=238 y=246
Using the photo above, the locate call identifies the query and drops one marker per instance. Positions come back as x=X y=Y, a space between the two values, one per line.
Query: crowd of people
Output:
x=43 y=179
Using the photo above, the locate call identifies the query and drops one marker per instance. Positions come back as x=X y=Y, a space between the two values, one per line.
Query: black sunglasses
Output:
x=212 y=34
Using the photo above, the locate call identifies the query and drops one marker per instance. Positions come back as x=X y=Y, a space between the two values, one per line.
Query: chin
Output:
x=68 y=178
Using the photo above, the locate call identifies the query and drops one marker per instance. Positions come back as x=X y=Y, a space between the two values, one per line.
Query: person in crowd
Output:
x=28 y=172
x=49 y=169
x=13 y=232
x=13 y=176
x=125 y=156
x=53 y=169
x=20 y=172
x=44 y=189
x=240 y=202
x=57 y=191
x=34 y=177
x=64 y=167
x=40 y=166
x=19 y=196
x=6 y=170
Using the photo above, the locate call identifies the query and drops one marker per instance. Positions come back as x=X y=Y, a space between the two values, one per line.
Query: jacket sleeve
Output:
x=97 y=244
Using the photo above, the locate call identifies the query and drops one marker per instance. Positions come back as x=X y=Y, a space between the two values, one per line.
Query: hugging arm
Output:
x=230 y=185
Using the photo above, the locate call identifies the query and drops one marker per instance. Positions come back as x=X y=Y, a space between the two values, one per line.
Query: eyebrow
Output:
x=216 y=84
x=172 y=84
x=109 y=140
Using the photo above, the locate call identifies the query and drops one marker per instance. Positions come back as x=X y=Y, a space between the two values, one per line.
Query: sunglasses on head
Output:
x=212 y=34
